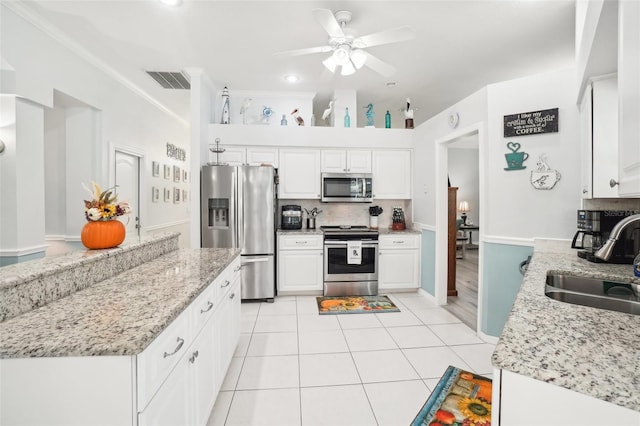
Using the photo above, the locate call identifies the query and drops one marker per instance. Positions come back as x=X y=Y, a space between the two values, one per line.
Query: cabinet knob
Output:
x=613 y=183
x=585 y=191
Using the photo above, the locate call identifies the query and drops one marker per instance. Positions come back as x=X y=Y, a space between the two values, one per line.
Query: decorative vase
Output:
x=102 y=234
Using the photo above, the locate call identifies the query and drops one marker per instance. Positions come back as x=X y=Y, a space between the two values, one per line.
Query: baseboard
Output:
x=487 y=338
x=430 y=297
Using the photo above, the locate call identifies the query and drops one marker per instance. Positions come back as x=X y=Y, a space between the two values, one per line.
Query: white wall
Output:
x=471 y=110
x=123 y=117
x=463 y=165
x=513 y=207
x=54 y=172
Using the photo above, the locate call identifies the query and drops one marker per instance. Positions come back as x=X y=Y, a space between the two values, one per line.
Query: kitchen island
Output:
x=594 y=353
x=129 y=349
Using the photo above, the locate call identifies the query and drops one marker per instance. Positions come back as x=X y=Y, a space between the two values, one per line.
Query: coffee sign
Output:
x=531 y=123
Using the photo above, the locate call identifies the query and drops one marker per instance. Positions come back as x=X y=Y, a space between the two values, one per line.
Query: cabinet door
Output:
x=391 y=174
x=234 y=156
x=202 y=365
x=398 y=269
x=299 y=174
x=259 y=156
x=300 y=270
x=586 y=115
x=171 y=405
x=629 y=101
x=333 y=161
x=359 y=161
x=605 y=136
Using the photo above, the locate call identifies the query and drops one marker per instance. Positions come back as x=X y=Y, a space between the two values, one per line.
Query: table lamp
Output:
x=463 y=208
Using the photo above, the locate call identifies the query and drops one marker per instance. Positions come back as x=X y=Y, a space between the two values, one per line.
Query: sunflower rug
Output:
x=329 y=305
x=460 y=398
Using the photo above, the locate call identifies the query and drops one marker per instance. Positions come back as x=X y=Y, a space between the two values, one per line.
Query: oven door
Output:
x=336 y=267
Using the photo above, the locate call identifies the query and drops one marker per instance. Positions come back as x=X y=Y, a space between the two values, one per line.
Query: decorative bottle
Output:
x=347 y=119
x=387 y=120
x=225 y=106
x=283 y=122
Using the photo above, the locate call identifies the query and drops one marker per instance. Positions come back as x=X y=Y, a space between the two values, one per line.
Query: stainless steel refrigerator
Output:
x=238 y=211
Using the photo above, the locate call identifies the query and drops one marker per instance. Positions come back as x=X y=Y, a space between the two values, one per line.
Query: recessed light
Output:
x=291 y=78
x=171 y=2
x=391 y=83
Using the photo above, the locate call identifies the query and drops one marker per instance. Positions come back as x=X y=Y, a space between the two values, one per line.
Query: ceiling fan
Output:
x=348 y=50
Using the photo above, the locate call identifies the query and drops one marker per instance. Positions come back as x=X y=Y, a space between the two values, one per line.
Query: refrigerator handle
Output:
x=239 y=207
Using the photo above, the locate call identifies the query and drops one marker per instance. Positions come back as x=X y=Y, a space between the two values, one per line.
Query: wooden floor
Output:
x=465 y=305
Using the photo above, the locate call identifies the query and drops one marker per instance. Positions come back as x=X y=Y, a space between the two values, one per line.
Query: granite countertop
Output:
x=118 y=316
x=592 y=351
x=389 y=231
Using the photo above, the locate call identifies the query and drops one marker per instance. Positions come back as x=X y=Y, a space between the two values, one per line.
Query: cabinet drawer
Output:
x=202 y=308
x=158 y=360
x=300 y=242
x=223 y=282
x=404 y=241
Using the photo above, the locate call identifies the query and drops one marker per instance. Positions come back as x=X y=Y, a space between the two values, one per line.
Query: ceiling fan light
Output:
x=330 y=63
x=347 y=69
x=358 y=57
x=341 y=55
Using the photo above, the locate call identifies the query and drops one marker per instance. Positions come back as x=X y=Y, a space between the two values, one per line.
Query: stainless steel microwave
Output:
x=347 y=188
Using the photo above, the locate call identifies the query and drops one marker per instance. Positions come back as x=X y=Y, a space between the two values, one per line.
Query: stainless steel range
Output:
x=350 y=261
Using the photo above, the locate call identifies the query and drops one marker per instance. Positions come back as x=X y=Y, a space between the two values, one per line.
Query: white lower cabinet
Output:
x=188 y=394
x=174 y=381
x=515 y=395
x=398 y=261
x=300 y=263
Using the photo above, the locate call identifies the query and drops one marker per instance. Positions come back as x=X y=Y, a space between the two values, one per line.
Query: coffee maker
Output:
x=594 y=227
x=291 y=217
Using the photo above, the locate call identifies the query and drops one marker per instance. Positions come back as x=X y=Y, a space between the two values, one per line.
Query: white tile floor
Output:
x=295 y=367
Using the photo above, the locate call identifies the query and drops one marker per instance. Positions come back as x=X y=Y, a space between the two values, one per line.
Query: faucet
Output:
x=605 y=251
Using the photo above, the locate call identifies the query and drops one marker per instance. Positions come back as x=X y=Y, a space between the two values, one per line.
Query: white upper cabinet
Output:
x=629 y=99
x=605 y=137
x=257 y=156
x=391 y=174
x=299 y=174
x=341 y=161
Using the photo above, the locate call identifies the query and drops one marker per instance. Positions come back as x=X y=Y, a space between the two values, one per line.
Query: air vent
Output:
x=170 y=80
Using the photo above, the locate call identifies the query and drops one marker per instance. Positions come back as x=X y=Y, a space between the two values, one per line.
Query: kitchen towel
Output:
x=354 y=252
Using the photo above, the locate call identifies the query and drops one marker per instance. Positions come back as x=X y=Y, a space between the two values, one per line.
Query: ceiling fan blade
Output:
x=328 y=21
x=307 y=51
x=379 y=66
x=385 y=37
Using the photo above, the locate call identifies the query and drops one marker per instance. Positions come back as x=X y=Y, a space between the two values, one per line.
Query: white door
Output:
x=127 y=178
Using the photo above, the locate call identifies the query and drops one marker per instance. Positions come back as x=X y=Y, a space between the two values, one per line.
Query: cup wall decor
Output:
x=515 y=158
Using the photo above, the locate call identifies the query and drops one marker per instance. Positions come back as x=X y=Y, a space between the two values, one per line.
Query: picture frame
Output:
x=176 y=195
x=155 y=194
x=155 y=169
x=176 y=174
x=167 y=195
x=185 y=176
x=167 y=171
x=185 y=194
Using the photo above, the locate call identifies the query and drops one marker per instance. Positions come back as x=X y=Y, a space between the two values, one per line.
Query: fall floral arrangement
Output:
x=104 y=205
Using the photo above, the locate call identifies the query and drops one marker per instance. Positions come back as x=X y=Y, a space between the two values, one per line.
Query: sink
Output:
x=594 y=292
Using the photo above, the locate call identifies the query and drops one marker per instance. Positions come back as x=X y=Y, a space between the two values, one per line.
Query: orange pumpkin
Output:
x=102 y=234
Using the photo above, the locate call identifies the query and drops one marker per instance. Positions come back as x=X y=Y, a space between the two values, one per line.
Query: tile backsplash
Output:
x=349 y=213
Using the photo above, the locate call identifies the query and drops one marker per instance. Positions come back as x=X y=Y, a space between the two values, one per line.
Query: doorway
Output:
x=463 y=172
x=469 y=138
x=127 y=180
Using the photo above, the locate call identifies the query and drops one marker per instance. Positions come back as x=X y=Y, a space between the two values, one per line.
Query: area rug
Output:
x=355 y=305
x=460 y=398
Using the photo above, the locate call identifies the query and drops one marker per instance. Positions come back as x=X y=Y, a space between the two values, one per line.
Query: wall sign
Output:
x=531 y=123
x=175 y=152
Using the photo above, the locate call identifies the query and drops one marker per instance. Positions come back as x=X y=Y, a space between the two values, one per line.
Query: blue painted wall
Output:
x=10 y=260
x=501 y=283
x=428 y=262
